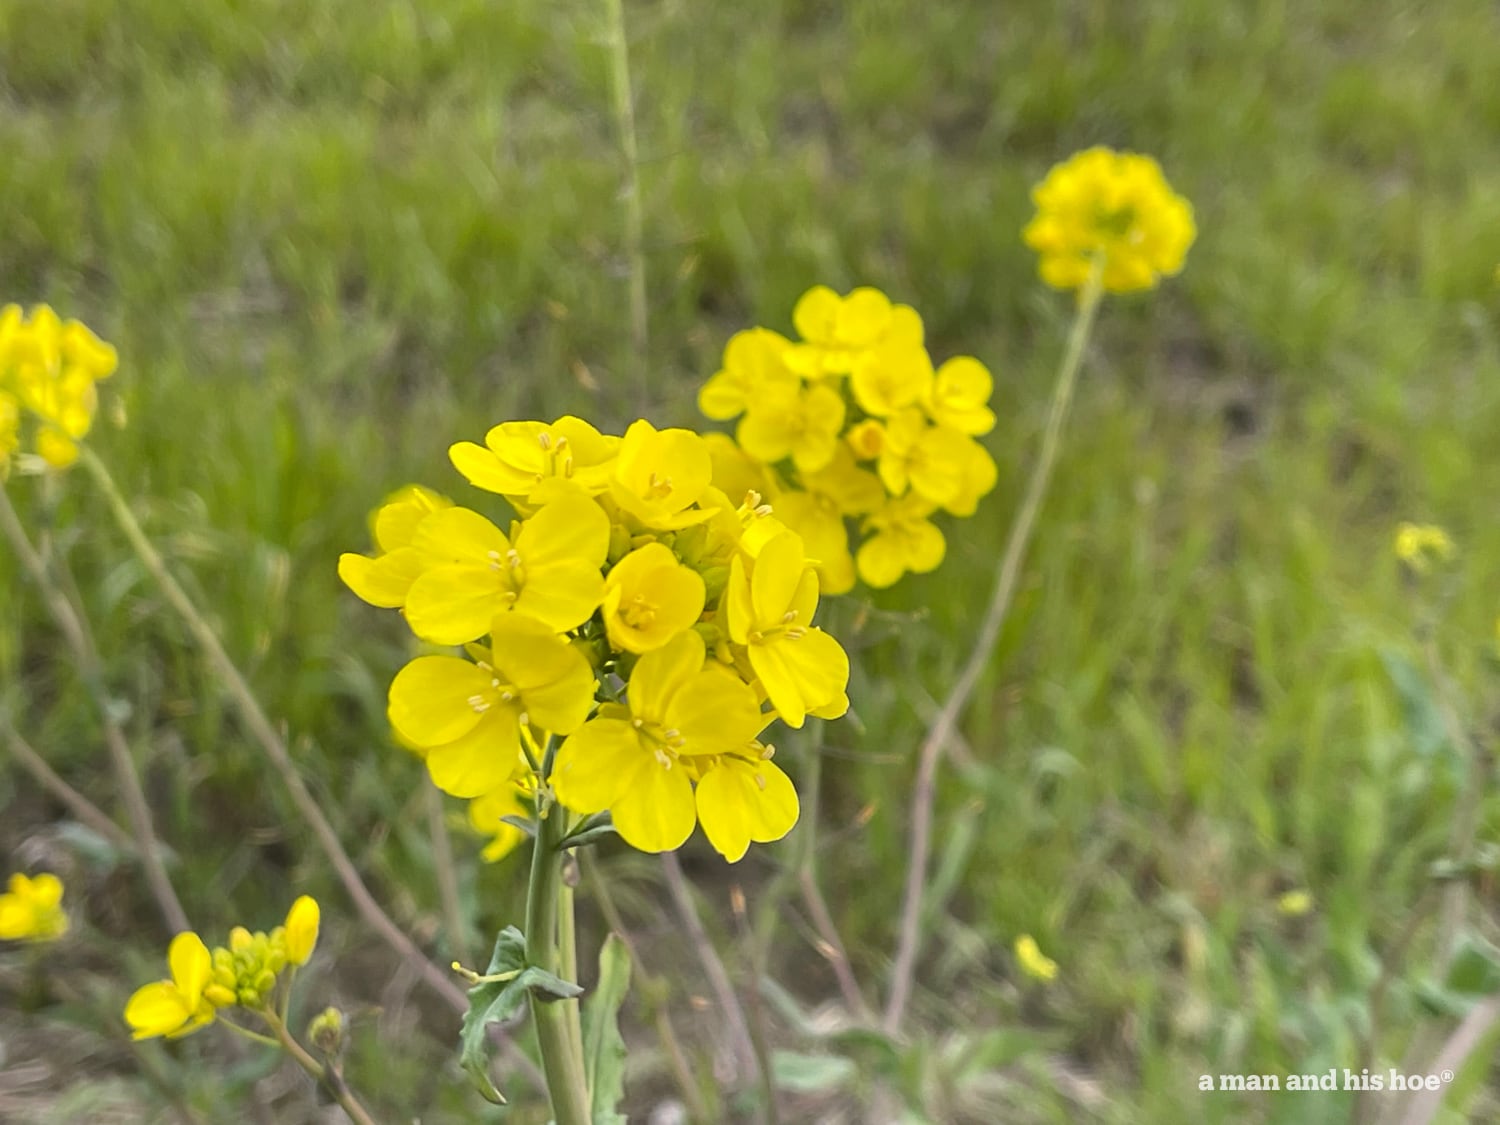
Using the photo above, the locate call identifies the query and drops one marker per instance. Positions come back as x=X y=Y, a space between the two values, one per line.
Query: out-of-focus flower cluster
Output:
x=1114 y=206
x=852 y=424
x=1421 y=545
x=48 y=371
x=633 y=616
x=244 y=973
x=31 y=909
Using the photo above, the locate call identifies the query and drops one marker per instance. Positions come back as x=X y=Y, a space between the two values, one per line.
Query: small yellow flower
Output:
x=1419 y=546
x=467 y=716
x=931 y=460
x=754 y=367
x=520 y=459
x=178 y=1006
x=549 y=567
x=49 y=367
x=659 y=475
x=889 y=377
x=1294 y=904
x=803 y=426
x=301 y=930
x=485 y=815
x=769 y=609
x=745 y=798
x=31 y=909
x=903 y=538
x=959 y=396
x=1033 y=962
x=836 y=330
x=385 y=579
x=635 y=760
x=650 y=597
x=1111 y=205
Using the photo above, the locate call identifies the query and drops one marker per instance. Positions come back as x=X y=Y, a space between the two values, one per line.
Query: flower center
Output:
x=639 y=613
x=658 y=488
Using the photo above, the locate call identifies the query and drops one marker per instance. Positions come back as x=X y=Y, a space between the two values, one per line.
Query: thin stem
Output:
x=329 y=1077
x=270 y=742
x=623 y=103
x=245 y=1032
x=759 y=1040
x=649 y=987
x=75 y=629
x=567 y=948
x=84 y=809
x=931 y=753
x=446 y=875
x=562 y=1059
x=713 y=966
x=831 y=947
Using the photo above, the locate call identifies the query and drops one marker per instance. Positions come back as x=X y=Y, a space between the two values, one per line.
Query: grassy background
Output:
x=331 y=238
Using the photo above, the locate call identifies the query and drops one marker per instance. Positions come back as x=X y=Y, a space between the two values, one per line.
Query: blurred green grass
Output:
x=330 y=239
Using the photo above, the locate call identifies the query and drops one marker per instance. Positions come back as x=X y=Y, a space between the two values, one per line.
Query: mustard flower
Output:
x=549 y=567
x=650 y=597
x=735 y=472
x=1421 y=545
x=385 y=579
x=522 y=460
x=301 y=930
x=977 y=479
x=890 y=377
x=836 y=330
x=803 y=425
x=467 y=716
x=865 y=439
x=769 y=609
x=659 y=475
x=634 y=759
x=959 y=396
x=754 y=367
x=49 y=367
x=1116 y=206
x=931 y=460
x=1034 y=963
x=902 y=538
x=744 y=798
x=1294 y=904
x=486 y=815
x=178 y=1006
x=31 y=909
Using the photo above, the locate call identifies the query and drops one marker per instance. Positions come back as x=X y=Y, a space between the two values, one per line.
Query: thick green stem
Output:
x=924 y=792
x=562 y=1057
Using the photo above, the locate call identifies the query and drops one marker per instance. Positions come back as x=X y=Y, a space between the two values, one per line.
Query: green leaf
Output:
x=603 y=1047
x=1475 y=970
x=810 y=1074
x=494 y=1001
x=591 y=831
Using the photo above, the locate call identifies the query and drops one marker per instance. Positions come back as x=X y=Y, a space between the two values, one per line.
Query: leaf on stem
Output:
x=603 y=1047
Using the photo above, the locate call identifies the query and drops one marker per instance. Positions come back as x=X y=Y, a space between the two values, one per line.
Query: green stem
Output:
x=567 y=946
x=623 y=103
x=562 y=1056
x=929 y=757
x=328 y=1077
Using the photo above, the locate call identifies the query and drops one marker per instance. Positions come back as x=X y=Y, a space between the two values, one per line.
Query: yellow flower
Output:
x=903 y=539
x=745 y=798
x=1294 y=904
x=301 y=930
x=959 y=396
x=385 y=579
x=1116 y=205
x=931 y=460
x=890 y=377
x=485 y=815
x=468 y=716
x=817 y=511
x=178 y=1006
x=519 y=459
x=978 y=478
x=803 y=425
x=650 y=597
x=754 y=367
x=31 y=909
x=1033 y=962
x=634 y=760
x=659 y=475
x=550 y=567
x=769 y=609
x=1421 y=545
x=735 y=472
x=836 y=330
x=865 y=439
x=50 y=368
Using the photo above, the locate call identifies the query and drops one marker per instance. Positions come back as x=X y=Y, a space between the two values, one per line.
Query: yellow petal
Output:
x=655 y=811
x=801 y=674
x=452 y=605
x=716 y=712
x=481 y=468
x=594 y=763
x=774 y=581
x=156 y=1009
x=554 y=678
x=664 y=672
x=430 y=699
x=481 y=760
x=301 y=930
x=383 y=581
x=191 y=966
x=740 y=802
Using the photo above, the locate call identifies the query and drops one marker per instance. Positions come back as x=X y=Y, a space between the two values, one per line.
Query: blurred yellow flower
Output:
x=959 y=396
x=1033 y=962
x=754 y=367
x=31 y=909
x=803 y=425
x=889 y=377
x=49 y=367
x=1421 y=545
x=301 y=930
x=902 y=538
x=931 y=460
x=178 y=1006
x=1114 y=206
x=1294 y=904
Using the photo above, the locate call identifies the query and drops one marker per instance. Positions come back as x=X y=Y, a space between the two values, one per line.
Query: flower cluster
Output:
x=853 y=422
x=245 y=973
x=48 y=368
x=634 y=629
x=1111 y=206
x=31 y=909
x=1419 y=546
